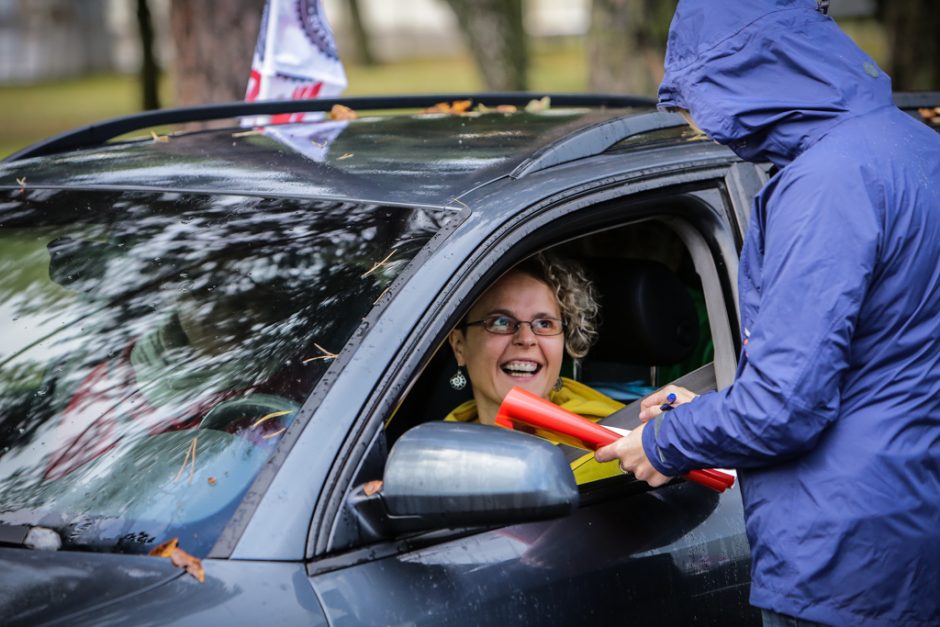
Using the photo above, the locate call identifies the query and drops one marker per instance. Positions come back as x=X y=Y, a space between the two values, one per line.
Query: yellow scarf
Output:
x=576 y=398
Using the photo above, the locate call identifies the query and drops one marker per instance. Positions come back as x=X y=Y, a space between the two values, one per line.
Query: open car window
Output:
x=157 y=345
x=654 y=328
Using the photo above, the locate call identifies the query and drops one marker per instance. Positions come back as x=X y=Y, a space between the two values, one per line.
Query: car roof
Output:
x=415 y=159
x=428 y=158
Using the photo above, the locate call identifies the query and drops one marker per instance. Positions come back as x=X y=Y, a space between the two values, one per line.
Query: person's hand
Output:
x=629 y=450
x=650 y=406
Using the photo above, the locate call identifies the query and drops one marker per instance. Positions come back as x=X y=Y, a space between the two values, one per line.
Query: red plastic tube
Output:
x=524 y=411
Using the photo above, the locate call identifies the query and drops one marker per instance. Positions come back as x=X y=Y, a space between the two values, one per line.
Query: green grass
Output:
x=33 y=112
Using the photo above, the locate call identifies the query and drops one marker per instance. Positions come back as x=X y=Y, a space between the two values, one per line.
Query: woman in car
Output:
x=517 y=334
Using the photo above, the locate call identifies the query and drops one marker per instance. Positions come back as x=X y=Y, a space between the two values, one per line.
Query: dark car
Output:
x=235 y=339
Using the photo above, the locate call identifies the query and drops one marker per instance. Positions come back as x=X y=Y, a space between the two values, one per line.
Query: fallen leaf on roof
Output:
x=159 y=138
x=372 y=487
x=254 y=131
x=503 y=108
x=461 y=203
x=341 y=112
x=345 y=156
x=268 y=436
x=454 y=108
x=326 y=354
x=441 y=107
x=536 y=105
x=384 y=292
x=930 y=114
x=212 y=481
x=165 y=549
x=378 y=264
x=189 y=457
x=180 y=558
x=266 y=417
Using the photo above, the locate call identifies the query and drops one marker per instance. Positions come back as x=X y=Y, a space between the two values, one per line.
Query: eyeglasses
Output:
x=501 y=324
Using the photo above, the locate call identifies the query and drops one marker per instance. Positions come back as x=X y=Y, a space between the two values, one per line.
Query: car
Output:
x=227 y=346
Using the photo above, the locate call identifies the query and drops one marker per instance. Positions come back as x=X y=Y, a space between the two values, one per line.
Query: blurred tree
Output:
x=626 y=43
x=149 y=68
x=214 y=43
x=914 y=47
x=360 y=34
x=495 y=34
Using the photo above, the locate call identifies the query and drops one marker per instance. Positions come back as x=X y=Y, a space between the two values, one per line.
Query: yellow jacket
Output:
x=576 y=398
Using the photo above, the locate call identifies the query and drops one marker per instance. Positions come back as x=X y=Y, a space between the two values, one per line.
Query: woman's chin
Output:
x=535 y=384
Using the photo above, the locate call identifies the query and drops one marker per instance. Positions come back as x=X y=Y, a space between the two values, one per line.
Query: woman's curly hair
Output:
x=576 y=297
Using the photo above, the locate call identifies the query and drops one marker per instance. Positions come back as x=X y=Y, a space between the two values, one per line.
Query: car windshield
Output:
x=156 y=346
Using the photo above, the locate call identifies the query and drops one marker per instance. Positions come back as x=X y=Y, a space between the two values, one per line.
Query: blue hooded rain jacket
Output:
x=834 y=416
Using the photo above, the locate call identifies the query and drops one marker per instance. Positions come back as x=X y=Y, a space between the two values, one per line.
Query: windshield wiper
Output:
x=39 y=538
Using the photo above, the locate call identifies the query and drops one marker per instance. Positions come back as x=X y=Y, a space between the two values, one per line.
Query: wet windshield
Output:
x=156 y=346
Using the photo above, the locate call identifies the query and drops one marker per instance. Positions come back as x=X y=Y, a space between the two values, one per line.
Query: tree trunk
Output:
x=214 y=44
x=912 y=28
x=360 y=35
x=626 y=43
x=149 y=69
x=497 y=40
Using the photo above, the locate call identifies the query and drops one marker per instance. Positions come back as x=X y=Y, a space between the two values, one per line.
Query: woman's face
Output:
x=496 y=363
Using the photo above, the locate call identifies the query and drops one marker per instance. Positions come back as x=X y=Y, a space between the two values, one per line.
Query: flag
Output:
x=295 y=59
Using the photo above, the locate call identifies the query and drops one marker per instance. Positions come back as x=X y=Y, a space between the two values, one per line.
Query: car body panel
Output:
x=618 y=557
x=40 y=587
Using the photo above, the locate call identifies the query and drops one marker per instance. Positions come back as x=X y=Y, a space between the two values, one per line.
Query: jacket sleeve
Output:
x=821 y=239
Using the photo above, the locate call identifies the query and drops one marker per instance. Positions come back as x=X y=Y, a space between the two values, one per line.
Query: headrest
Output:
x=647 y=314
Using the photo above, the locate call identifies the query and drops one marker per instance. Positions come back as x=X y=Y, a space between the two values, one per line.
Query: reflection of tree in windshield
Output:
x=135 y=317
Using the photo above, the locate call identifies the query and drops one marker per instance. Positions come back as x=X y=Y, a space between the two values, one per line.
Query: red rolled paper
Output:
x=522 y=410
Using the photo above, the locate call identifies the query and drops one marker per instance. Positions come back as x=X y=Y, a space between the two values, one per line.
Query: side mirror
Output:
x=444 y=475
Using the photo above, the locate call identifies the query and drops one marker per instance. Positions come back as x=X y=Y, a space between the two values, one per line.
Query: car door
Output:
x=675 y=555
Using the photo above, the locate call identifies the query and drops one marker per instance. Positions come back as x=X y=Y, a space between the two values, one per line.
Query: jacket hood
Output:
x=768 y=78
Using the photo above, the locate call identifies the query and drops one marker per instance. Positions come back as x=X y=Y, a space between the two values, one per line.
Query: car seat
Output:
x=648 y=320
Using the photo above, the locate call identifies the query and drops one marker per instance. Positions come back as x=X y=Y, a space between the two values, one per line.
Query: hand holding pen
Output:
x=666 y=399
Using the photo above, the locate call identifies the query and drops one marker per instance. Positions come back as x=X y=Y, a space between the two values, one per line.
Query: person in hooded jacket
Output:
x=833 y=419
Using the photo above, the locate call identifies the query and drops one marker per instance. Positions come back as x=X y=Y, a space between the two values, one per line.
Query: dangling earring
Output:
x=459 y=380
x=558 y=385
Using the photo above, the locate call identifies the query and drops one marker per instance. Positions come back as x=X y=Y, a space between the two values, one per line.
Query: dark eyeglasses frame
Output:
x=516 y=326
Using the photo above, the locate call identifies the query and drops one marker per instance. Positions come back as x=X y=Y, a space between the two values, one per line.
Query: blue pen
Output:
x=670 y=399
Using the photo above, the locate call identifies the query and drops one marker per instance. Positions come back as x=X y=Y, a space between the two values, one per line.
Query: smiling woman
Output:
x=517 y=334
